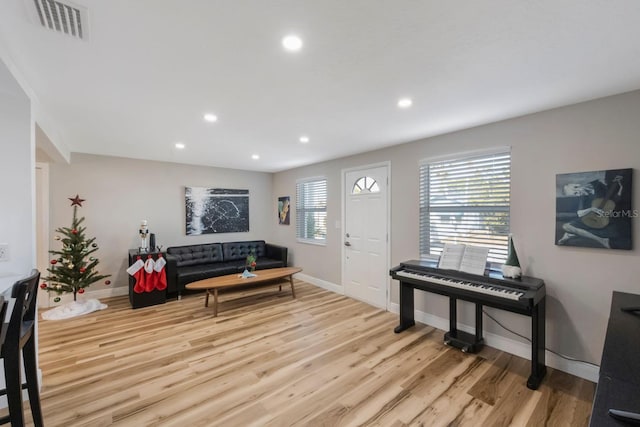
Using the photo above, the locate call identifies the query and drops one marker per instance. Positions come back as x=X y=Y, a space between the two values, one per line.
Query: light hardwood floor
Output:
x=321 y=359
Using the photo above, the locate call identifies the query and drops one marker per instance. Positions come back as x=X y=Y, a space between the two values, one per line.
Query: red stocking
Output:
x=137 y=271
x=161 y=276
x=150 y=276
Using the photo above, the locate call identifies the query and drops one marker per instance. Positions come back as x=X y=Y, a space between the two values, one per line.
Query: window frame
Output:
x=426 y=208
x=302 y=210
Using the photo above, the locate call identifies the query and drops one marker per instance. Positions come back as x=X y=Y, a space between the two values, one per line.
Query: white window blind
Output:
x=466 y=200
x=311 y=210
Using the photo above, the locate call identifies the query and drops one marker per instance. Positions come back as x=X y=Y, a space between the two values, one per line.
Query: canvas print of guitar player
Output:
x=593 y=209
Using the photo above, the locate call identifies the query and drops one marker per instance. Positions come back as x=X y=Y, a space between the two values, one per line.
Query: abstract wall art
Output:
x=216 y=210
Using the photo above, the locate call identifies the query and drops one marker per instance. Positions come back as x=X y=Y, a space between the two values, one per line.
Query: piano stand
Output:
x=466 y=342
x=406 y=309
x=534 y=307
x=538 y=367
x=401 y=328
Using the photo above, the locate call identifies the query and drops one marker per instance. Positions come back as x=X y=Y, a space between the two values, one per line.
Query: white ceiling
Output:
x=151 y=68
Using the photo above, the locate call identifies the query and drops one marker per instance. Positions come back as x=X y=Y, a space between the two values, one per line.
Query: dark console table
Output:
x=619 y=382
x=144 y=299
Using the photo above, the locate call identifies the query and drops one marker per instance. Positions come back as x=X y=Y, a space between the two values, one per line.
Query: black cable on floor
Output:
x=529 y=340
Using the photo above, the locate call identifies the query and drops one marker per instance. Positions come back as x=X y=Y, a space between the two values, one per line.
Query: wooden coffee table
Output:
x=233 y=280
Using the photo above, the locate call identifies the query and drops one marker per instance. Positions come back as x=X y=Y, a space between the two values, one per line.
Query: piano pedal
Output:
x=464 y=341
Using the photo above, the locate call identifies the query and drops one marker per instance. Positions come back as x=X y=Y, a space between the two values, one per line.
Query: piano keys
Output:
x=499 y=291
x=525 y=296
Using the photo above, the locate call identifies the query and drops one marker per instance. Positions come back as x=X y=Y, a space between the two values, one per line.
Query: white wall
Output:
x=16 y=177
x=17 y=189
x=121 y=192
x=595 y=135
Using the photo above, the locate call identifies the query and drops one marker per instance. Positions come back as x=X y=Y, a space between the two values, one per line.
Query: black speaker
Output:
x=152 y=242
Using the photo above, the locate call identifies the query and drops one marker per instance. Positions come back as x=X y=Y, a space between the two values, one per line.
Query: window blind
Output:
x=311 y=210
x=467 y=201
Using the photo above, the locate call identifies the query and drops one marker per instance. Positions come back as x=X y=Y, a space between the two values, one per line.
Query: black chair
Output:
x=18 y=334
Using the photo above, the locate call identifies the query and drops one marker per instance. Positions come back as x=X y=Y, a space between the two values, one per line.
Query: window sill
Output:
x=313 y=242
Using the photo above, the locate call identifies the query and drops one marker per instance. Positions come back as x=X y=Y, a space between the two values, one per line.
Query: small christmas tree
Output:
x=73 y=268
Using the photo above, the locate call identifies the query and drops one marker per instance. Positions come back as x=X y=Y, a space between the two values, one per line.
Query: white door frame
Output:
x=42 y=228
x=343 y=175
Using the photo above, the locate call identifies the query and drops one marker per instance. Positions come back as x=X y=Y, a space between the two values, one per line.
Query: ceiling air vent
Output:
x=62 y=17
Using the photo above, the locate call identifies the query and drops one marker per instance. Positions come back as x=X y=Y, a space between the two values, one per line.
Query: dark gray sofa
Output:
x=186 y=264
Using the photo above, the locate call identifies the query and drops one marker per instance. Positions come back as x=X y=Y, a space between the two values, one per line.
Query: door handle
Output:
x=347 y=244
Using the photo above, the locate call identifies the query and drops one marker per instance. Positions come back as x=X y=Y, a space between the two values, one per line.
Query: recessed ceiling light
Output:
x=210 y=117
x=255 y=156
x=292 y=43
x=304 y=139
x=405 y=102
x=180 y=145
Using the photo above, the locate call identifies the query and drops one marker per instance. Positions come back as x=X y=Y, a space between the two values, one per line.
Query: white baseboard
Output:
x=108 y=292
x=338 y=289
x=517 y=348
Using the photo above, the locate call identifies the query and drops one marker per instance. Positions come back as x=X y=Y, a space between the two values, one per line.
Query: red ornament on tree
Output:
x=81 y=291
x=82 y=269
x=53 y=261
x=107 y=282
x=74 y=231
x=43 y=286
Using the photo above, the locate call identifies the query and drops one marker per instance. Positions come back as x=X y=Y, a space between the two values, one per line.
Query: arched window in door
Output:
x=365 y=184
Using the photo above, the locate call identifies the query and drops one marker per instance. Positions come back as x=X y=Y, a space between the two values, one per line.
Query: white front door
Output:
x=365 y=238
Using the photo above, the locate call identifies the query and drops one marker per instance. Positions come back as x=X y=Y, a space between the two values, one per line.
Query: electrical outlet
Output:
x=4 y=252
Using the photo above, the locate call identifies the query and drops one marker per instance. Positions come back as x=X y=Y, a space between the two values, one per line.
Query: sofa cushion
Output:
x=264 y=263
x=196 y=254
x=194 y=273
x=240 y=250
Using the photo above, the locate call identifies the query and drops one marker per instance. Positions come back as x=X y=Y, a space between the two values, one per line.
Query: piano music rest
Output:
x=524 y=296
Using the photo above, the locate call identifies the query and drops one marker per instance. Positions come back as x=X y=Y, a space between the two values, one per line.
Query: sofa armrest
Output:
x=276 y=252
x=172 y=278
